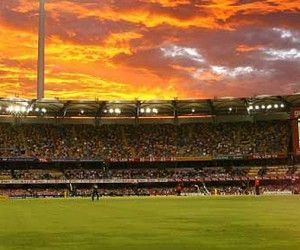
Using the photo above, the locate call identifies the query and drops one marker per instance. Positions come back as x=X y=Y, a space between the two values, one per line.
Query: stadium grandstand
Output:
x=55 y=148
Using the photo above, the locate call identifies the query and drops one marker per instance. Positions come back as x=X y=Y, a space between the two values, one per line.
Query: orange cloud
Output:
x=17 y=62
x=127 y=63
x=228 y=8
x=59 y=50
x=136 y=16
x=214 y=11
x=246 y=48
x=168 y=3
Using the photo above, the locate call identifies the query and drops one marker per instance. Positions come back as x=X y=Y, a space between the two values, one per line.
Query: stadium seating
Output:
x=250 y=173
x=144 y=141
x=223 y=143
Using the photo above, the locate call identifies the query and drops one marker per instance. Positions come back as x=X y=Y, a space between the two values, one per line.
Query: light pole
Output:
x=41 y=51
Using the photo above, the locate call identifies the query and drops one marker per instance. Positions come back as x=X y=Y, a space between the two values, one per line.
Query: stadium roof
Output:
x=152 y=108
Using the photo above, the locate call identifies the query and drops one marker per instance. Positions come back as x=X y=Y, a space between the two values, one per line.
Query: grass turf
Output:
x=152 y=223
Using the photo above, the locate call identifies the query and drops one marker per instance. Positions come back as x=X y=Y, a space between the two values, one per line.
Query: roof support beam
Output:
x=32 y=103
x=137 y=110
x=100 y=108
x=98 y=113
x=211 y=107
x=63 y=111
x=175 y=110
x=245 y=101
x=286 y=103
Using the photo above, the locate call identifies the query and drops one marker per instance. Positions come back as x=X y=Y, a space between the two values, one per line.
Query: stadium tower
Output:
x=41 y=51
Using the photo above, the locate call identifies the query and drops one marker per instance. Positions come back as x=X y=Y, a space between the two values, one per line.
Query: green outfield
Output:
x=152 y=223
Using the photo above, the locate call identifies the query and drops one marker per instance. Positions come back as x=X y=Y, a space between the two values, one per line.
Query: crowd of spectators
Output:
x=150 y=173
x=143 y=141
x=190 y=189
x=84 y=192
x=5 y=174
x=37 y=174
x=140 y=141
x=32 y=192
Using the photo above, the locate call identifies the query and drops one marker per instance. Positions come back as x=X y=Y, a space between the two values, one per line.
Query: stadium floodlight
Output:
x=269 y=106
x=230 y=109
x=9 y=109
x=41 y=51
x=148 y=110
x=193 y=110
x=256 y=107
x=281 y=105
x=17 y=109
x=117 y=111
x=111 y=110
x=142 y=110
x=276 y=106
x=263 y=107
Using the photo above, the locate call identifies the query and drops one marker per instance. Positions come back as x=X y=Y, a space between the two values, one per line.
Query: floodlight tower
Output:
x=41 y=51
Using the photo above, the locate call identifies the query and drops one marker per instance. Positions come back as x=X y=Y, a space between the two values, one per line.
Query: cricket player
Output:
x=95 y=192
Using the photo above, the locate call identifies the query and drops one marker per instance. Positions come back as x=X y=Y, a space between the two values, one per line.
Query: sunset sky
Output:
x=152 y=49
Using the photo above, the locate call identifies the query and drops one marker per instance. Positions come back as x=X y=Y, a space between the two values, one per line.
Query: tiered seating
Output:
x=5 y=174
x=129 y=142
x=38 y=174
x=148 y=173
x=253 y=171
x=278 y=171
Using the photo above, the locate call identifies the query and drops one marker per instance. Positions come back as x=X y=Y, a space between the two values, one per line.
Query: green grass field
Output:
x=152 y=223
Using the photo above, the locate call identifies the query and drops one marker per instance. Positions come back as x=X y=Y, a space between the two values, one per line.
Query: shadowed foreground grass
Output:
x=152 y=223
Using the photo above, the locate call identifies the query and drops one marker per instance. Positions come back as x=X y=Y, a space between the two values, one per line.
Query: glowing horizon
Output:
x=152 y=49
